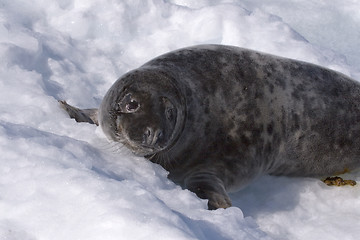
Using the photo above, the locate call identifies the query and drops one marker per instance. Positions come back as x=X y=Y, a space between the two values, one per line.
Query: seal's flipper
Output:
x=208 y=186
x=81 y=115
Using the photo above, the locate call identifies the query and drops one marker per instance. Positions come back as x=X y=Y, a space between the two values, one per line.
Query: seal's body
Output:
x=216 y=117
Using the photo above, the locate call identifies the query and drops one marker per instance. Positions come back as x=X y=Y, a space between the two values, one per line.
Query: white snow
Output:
x=62 y=180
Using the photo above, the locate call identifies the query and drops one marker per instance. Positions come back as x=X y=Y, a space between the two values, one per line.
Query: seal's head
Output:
x=144 y=110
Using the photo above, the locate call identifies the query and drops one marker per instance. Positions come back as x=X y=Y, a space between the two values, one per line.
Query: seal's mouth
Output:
x=152 y=142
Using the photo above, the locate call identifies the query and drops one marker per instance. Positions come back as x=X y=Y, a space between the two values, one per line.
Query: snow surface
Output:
x=62 y=180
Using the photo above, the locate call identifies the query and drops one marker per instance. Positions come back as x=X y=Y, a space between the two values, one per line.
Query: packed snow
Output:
x=63 y=180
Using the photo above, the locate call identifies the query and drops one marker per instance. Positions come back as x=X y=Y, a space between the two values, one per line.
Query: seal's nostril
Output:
x=148 y=132
x=160 y=134
x=158 y=137
x=148 y=136
x=151 y=137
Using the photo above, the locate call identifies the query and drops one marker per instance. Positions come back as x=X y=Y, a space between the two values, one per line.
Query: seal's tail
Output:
x=81 y=115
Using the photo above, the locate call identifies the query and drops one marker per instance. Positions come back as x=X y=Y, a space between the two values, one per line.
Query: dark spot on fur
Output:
x=270 y=128
x=295 y=94
x=245 y=140
x=207 y=129
x=280 y=82
x=207 y=110
x=268 y=148
x=257 y=131
x=271 y=88
x=259 y=94
x=296 y=122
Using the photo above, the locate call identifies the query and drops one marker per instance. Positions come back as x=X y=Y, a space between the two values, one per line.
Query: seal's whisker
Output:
x=112 y=146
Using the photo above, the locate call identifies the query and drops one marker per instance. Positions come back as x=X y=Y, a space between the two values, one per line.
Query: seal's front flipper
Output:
x=208 y=186
x=81 y=115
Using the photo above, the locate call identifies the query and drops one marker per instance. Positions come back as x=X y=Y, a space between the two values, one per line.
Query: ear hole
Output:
x=170 y=110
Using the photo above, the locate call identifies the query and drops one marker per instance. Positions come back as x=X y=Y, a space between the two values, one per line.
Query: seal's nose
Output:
x=151 y=136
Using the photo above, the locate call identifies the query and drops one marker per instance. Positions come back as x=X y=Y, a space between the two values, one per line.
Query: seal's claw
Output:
x=209 y=186
x=218 y=201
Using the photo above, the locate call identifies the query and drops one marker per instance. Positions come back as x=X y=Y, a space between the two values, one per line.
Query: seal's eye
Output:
x=132 y=106
x=128 y=104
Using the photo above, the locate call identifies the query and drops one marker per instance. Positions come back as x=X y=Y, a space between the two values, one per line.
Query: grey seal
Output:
x=217 y=117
